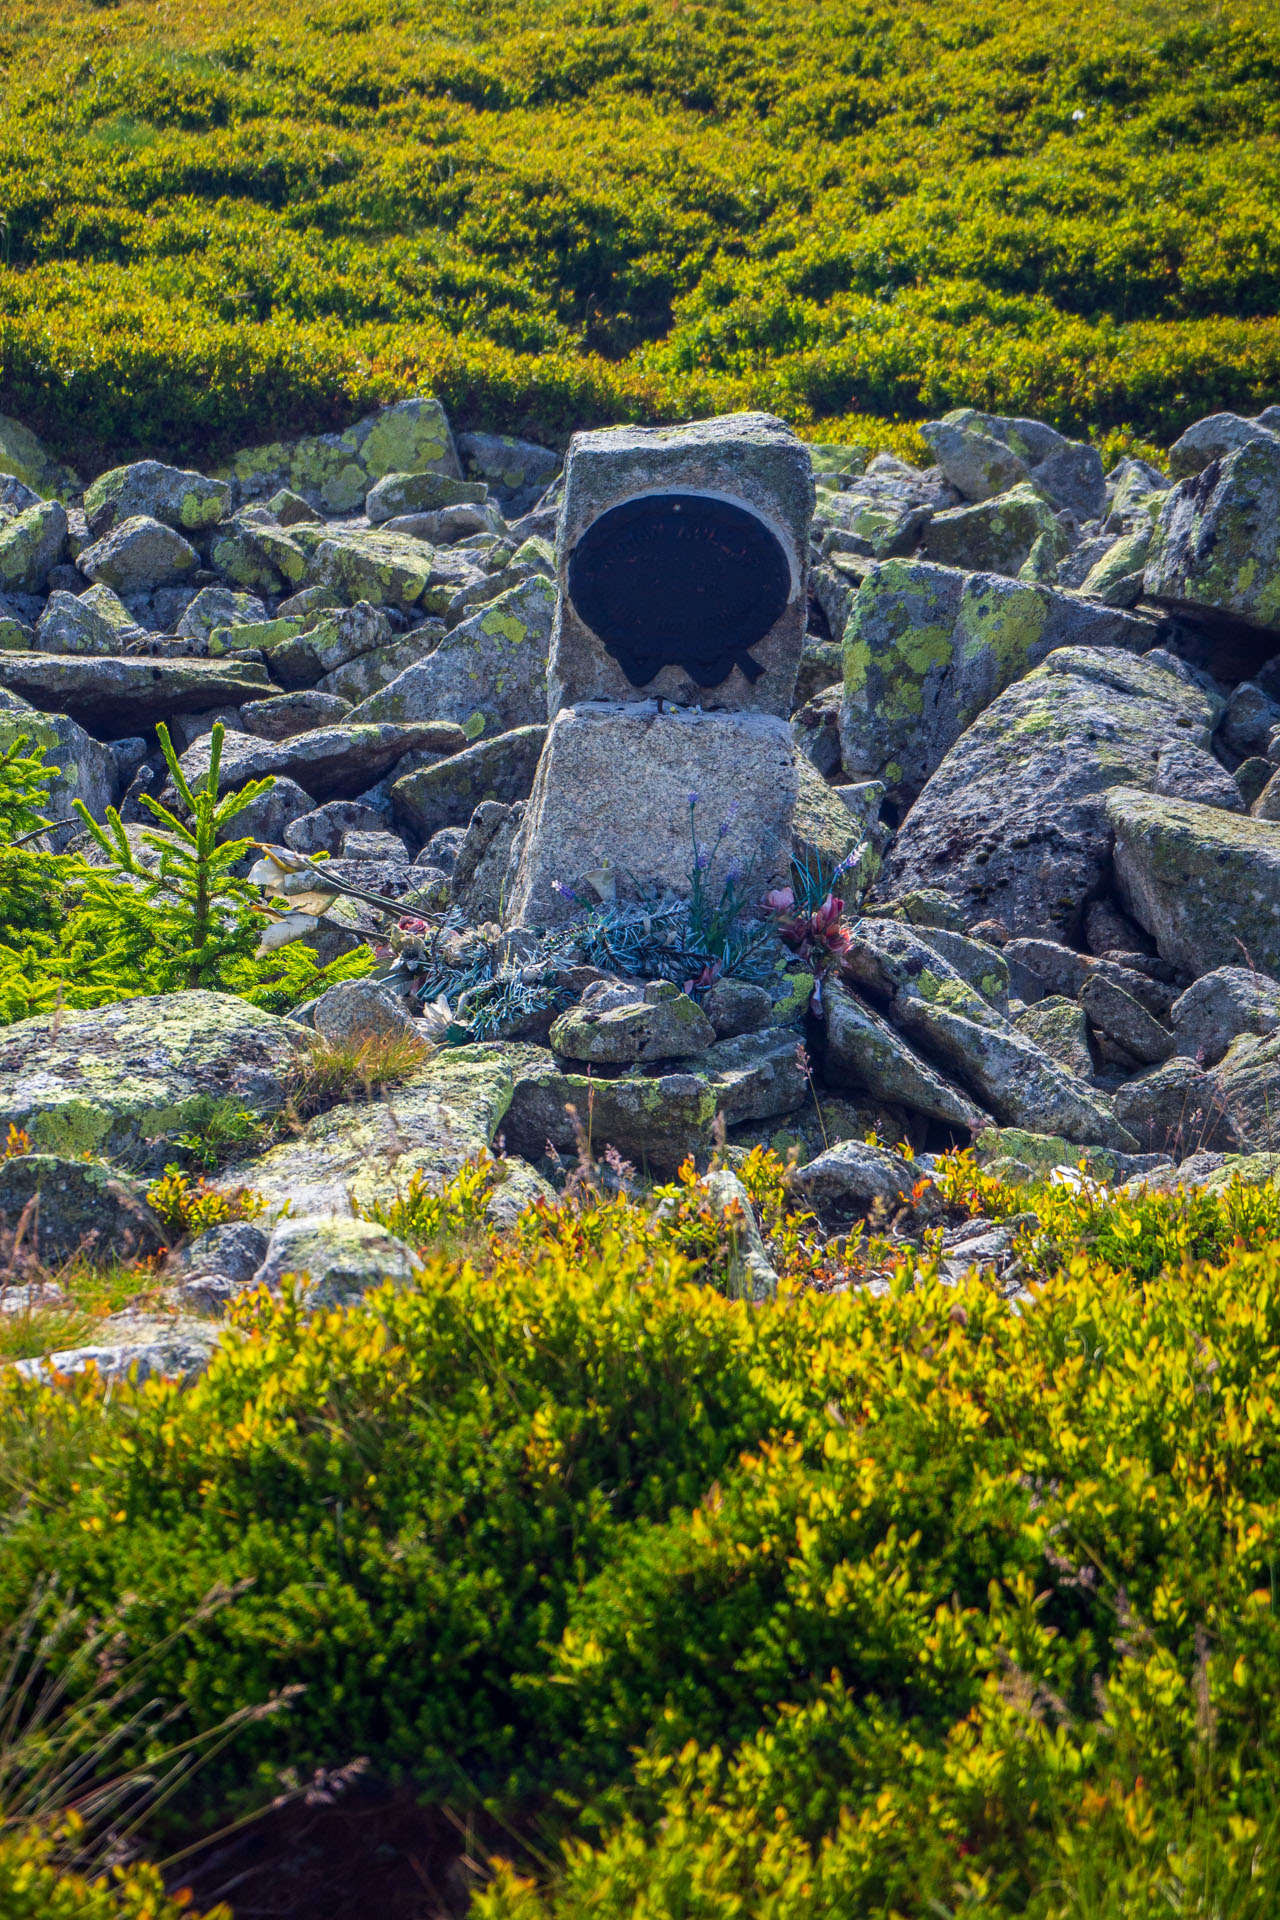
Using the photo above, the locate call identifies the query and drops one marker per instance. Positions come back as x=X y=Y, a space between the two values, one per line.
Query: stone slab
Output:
x=750 y=460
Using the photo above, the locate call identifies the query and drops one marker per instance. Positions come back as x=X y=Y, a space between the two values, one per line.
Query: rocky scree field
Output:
x=720 y=1398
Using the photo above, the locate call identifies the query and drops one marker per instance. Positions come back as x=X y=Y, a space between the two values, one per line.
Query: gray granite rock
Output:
x=850 y=1179
x=117 y=695
x=613 y=788
x=866 y=1055
x=488 y=675
x=96 y=622
x=751 y=459
x=1221 y=1005
x=125 y=1079
x=281 y=715
x=1012 y=1077
x=928 y=648
x=1216 y=547
x=333 y=763
x=658 y=1023
x=1204 y=883
x=1014 y=824
x=499 y=768
x=1117 y=1014
x=186 y=501
x=336 y=1260
x=1177 y=1109
x=76 y=1206
x=138 y=555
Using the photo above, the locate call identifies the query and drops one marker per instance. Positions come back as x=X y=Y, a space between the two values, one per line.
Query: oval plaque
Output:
x=680 y=580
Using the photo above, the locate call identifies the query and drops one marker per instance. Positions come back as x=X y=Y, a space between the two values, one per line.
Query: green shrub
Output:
x=77 y=935
x=570 y=212
x=34 y=1886
x=858 y=1602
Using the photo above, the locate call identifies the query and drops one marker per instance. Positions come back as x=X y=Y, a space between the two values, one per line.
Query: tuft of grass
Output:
x=328 y=1072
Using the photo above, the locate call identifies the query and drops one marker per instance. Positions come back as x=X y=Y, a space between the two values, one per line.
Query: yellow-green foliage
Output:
x=34 y=1887
x=859 y=1603
x=217 y=227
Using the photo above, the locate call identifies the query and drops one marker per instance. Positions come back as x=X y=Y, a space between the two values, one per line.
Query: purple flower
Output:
x=566 y=893
x=693 y=799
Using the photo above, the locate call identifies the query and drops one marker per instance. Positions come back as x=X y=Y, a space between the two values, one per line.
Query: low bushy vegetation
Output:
x=555 y=212
x=889 y=1602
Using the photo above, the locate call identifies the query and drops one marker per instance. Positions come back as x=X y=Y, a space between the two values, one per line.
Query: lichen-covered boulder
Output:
x=138 y=555
x=1218 y=1007
x=335 y=1258
x=1216 y=545
x=215 y=607
x=304 y=648
x=865 y=1053
x=335 y=471
x=1215 y=438
x=657 y=1022
x=1176 y=1108
x=489 y=674
x=333 y=763
x=853 y=1177
x=1058 y=1027
x=824 y=832
x=1116 y=578
x=32 y=543
x=927 y=648
x=387 y=569
x=76 y=1206
x=30 y=461
x=1068 y=472
x=996 y=535
x=132 y=1346
x=1185 y=771
x=96 y=622
x=187 y=501
x=1204 y=883
x=1248 y=1076
x=255 y=555
x=516 y=472
x=357 y=679
x=449 y=1110
x=976 y=464
x=501 y=767
x=124 y=1080
x=403 y=493
x=652 y=1119
x=124 y=695
x=1123 y=1019
x=281 y=715
x=1041 y=1153
x=86 y=770
x=1013 y=824
x=1012 y=1077
x=754 y=1076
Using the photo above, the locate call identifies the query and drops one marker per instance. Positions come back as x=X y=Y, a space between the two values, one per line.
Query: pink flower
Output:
x=781 y=900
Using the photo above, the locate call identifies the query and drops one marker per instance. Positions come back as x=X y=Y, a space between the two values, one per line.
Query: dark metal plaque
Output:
x=680 y=580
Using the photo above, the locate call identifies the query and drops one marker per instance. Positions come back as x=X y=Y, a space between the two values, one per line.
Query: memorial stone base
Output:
x=613 y=791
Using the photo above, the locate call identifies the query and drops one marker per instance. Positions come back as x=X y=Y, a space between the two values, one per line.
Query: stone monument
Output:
x=681 y=557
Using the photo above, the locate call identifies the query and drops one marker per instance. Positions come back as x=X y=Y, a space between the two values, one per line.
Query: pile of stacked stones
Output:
x=1048 y=697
